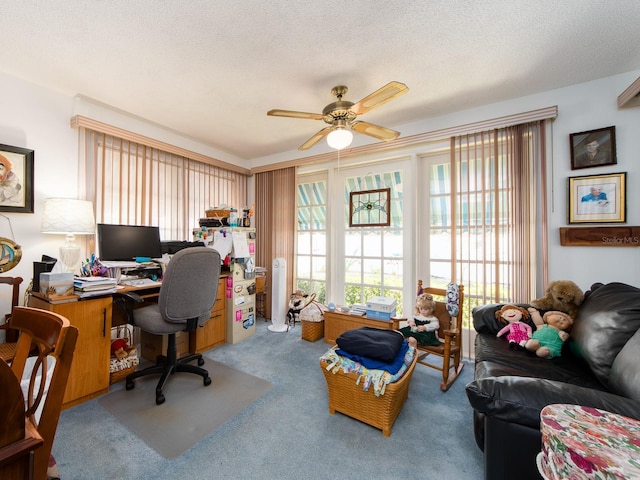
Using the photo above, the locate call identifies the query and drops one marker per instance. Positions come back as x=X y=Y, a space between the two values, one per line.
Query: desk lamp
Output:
x=71 y=217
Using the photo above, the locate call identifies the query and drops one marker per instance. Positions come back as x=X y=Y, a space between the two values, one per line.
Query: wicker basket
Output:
x=350 y=399
x=312 y=331
x=217 y=213
x=115 y=377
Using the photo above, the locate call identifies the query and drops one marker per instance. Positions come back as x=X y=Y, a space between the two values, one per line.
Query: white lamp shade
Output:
x=339 y=138
x=68 y=215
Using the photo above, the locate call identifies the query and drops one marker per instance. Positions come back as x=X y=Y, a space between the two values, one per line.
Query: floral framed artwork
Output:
x=598 y=198
x=369 y=208
x=16 y=179
x=593 y=148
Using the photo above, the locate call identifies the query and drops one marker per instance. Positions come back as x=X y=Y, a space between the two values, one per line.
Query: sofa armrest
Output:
x=520 y=399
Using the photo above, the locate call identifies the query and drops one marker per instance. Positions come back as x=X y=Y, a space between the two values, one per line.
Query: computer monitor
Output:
x=128 y=242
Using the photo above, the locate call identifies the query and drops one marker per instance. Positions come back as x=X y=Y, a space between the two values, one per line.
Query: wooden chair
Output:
x=51 y=337
x=8 y=348
x=450 y=335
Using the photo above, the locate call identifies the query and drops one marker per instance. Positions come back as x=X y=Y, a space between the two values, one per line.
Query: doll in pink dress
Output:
x=518 y=332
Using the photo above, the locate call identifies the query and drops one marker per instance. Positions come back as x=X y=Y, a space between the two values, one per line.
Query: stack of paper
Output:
x=358 y=309
x=93 y=286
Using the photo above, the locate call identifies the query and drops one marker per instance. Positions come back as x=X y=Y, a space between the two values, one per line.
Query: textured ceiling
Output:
x=212 y=69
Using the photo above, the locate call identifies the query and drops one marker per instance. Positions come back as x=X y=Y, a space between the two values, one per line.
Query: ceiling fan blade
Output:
x=294 y=114
x=381 y=96
x=381 y=133
x=315 y=139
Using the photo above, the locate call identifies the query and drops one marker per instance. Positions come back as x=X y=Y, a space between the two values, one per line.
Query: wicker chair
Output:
x=450 y=335
x=8 y=348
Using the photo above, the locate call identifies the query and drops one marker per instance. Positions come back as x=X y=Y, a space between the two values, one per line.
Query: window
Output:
x=133 y=184
x=482 y=215
x=374 y=256
x=311 y=241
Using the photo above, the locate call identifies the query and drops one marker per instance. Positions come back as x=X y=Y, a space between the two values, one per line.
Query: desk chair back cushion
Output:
x=190 y=285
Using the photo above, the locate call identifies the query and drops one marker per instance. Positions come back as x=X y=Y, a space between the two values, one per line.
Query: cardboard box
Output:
x=376 y=315
x=381 y=304
x=54 y=285
x=152 y=346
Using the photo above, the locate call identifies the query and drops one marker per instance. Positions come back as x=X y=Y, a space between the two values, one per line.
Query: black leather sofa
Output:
x=599 y=367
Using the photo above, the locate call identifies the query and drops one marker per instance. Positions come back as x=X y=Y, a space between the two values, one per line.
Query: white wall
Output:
x=36 y=118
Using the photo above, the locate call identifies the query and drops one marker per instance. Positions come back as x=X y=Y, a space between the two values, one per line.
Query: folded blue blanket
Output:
x=374 y=343
x=372 y=364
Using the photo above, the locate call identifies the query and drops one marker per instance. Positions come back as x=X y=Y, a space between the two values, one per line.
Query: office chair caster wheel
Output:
x=129 y=385
x=159 y=399
x=206 y=381
x=200 y=361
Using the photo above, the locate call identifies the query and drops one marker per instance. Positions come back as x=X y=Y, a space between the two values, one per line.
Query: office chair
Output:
x=187 y=295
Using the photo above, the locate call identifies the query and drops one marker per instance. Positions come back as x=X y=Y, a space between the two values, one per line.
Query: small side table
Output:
x=583 y=443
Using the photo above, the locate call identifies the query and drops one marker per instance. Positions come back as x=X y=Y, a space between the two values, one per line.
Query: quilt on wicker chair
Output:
x=378 y=378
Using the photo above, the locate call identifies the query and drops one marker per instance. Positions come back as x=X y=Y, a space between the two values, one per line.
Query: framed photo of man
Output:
x=16 y=179
x=593 y=148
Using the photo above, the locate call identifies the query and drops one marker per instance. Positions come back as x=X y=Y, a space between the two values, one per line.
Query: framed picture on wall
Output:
x=16 y=179
x=593 y=148
x=369 y=208
x=598 y=198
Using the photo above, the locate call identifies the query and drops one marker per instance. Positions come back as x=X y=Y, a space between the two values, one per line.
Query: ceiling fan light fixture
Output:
x=339 y=138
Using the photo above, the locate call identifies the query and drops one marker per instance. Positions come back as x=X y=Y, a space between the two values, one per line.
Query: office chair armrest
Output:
x=126 y=301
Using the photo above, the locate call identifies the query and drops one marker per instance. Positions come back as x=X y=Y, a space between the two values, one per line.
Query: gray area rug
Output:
x=191 y=411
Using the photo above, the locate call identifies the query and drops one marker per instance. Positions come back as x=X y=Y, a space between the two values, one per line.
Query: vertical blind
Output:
x=134 y=184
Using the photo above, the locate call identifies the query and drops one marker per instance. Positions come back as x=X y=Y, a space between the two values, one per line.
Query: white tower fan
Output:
x=279 y=302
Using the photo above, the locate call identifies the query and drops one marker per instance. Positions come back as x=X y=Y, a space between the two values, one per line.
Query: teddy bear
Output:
x=518 y=332
x=550 y=334
x=561 y=295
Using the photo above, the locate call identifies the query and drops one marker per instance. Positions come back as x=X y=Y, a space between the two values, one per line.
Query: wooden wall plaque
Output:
x=600 y=236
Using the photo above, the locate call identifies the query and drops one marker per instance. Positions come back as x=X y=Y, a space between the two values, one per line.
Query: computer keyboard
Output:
x=140 y=282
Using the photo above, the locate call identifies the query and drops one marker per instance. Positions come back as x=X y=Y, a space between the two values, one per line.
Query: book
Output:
x=95 y=293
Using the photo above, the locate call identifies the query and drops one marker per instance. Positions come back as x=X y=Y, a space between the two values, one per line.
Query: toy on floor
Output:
x=297 y=302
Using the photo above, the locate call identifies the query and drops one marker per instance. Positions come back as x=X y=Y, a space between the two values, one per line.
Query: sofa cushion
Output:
x=608 y=318
x=494 y=358
x=625 y=373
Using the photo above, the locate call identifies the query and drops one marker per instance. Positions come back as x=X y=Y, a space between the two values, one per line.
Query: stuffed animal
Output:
x=518 y=332
x=121 y=349
x=550 y=333
x=561 y=295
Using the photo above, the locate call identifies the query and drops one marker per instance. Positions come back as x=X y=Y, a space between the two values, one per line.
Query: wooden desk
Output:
x=336 y=323
x=94 y=317
x=89 y=374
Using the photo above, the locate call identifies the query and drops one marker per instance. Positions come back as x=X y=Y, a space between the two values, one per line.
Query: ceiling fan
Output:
x=341 y=116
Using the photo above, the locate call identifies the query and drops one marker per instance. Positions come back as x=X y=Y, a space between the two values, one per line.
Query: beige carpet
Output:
x=191 y=411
